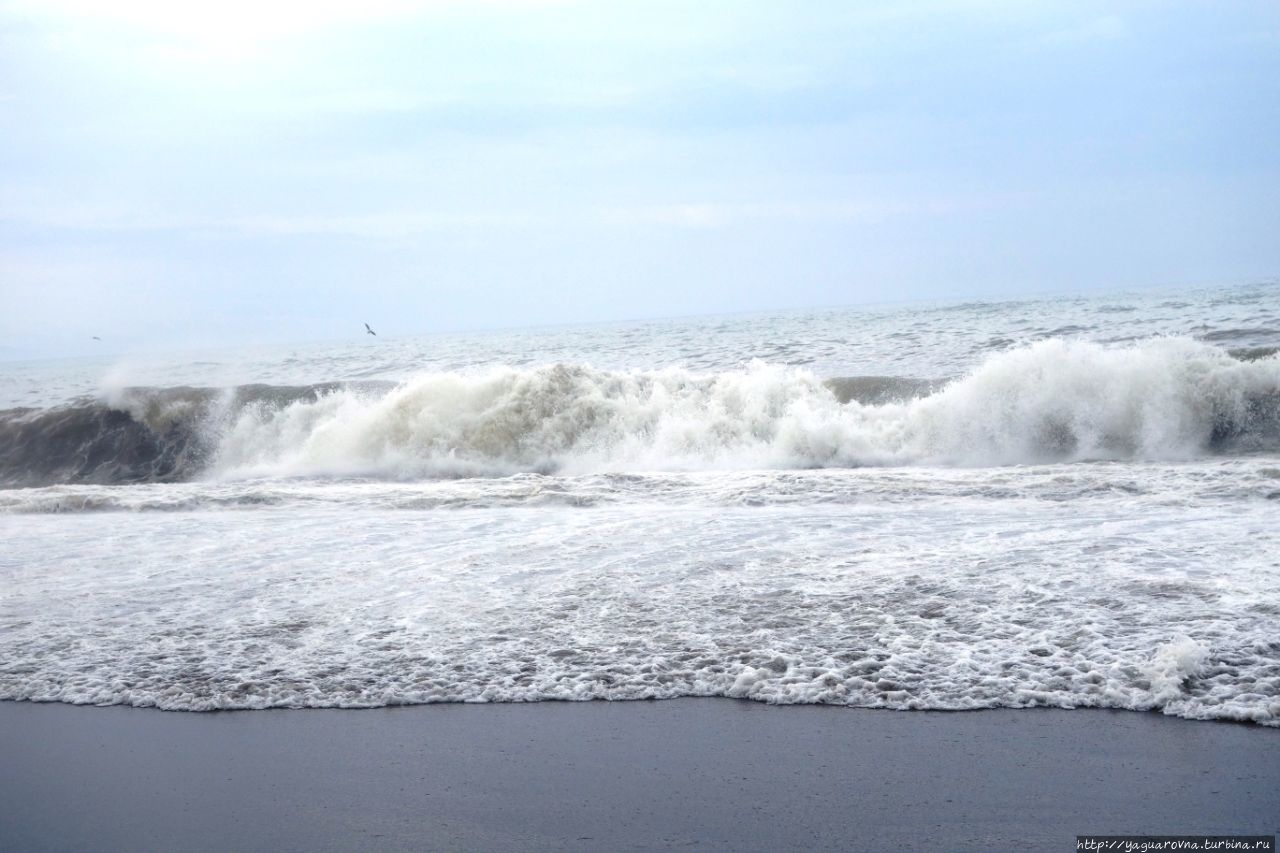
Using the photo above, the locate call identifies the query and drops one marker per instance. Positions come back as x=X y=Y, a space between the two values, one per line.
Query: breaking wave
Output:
x=1056 y=400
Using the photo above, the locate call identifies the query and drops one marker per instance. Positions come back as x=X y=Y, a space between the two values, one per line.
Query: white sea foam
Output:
x=1164 y=399
x=952 y=603
x=1207 y=482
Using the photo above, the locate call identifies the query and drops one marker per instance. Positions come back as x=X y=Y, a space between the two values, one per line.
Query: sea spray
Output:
x=1162 y=399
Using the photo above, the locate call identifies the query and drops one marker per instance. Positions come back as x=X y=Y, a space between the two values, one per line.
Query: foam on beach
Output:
x=946 y=603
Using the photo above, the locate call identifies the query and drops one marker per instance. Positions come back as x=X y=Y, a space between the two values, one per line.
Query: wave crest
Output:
x=1162 y=399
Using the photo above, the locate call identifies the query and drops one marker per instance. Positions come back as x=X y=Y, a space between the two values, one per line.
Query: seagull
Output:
x=370 y=331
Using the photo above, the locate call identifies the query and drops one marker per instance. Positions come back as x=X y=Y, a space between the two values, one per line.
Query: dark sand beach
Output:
x=692 y=773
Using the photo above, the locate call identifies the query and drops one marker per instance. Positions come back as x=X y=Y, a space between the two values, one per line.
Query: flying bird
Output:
x=96 y=338
x=370 y=331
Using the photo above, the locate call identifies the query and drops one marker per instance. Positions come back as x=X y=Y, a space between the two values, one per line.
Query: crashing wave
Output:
x=1056 y=400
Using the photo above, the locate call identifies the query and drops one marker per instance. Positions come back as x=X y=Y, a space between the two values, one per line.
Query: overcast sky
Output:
x=258 y=170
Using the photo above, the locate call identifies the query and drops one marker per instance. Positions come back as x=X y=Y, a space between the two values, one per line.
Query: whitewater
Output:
x=1066 y=502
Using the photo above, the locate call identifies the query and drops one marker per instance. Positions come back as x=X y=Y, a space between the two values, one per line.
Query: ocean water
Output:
x=1068 y=502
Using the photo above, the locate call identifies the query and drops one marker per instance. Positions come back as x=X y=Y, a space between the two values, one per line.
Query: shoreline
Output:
x=711 y=773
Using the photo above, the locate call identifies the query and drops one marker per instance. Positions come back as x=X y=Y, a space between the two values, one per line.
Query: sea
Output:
x=1066 y=501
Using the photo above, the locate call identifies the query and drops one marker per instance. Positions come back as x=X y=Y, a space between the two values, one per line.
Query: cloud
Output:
x=220 y=31
x=717 y=215
x=378 y=226
x=253 y=17
x=387 y=225
x=45 y=212
x=1104 y=28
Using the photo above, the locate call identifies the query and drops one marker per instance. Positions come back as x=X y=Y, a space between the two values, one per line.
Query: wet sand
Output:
x=711 y=774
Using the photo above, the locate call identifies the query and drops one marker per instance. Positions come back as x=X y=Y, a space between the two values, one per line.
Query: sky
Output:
x=197 y=174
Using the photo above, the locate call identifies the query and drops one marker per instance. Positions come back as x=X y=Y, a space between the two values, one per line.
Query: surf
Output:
x=1162 y=399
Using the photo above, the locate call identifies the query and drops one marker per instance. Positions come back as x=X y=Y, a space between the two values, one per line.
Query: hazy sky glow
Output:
x=203 y=173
